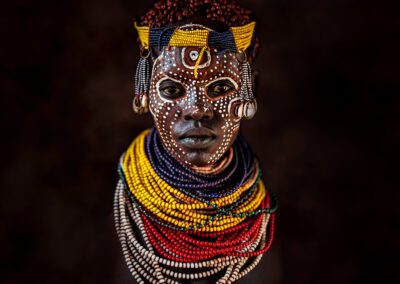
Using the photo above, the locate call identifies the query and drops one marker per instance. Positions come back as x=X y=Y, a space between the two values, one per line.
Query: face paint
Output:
x=195 y=117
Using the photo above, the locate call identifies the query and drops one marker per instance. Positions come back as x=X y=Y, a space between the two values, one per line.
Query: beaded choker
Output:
x=212 y=186
x=188 y=220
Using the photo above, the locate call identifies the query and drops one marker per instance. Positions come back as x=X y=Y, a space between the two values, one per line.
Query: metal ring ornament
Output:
x=143 y=53
x=239 y=55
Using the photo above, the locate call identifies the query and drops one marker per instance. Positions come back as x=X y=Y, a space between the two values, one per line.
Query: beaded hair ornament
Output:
x=236 y=39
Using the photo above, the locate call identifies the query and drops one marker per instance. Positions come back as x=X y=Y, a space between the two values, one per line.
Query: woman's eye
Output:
x=171 y=89
x=220 y=88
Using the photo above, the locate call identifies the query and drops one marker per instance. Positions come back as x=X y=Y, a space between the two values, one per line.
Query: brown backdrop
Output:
x=326 y=135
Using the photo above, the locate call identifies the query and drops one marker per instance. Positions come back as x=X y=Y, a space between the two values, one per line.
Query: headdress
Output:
x=237 y=39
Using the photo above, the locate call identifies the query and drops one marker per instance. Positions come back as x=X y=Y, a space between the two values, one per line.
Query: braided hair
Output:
x=216 y=14
x=225 y=12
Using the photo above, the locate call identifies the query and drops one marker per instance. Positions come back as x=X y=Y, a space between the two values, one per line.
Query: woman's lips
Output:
x=197 y=142
x=197 y=138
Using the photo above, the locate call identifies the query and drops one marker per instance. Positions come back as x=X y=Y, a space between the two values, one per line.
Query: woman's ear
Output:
x=155 y=52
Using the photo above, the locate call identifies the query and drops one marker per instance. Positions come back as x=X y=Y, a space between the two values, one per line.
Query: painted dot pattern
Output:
x=177 y=64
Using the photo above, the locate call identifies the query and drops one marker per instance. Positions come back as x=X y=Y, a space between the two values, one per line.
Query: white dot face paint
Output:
x=194 y=117
x=194 y=55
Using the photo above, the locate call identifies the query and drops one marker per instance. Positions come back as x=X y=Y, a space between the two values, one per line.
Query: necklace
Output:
x=212 y=186
x=182 y=229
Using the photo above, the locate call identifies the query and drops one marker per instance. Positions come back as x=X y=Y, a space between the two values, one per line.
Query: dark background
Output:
x=326 y=134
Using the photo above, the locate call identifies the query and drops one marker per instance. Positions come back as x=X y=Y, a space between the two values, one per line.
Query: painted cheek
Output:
x=229 y=127
x=225 y=105
x=165 y=117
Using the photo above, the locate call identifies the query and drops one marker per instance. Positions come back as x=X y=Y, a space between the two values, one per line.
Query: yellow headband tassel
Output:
x=199 y=60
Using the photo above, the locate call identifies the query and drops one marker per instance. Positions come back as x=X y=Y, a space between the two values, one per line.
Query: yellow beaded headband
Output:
x=237 y=39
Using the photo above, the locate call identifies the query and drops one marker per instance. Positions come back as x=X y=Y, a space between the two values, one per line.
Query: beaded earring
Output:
x=142 y=81
x=247 y=108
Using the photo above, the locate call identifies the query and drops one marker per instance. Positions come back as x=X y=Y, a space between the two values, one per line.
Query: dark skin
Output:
x=195 y=117
x=205 y=147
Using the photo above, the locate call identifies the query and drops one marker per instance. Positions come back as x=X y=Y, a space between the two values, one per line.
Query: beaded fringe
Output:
x=246 y=91
x=142 y=82
x=142 y=78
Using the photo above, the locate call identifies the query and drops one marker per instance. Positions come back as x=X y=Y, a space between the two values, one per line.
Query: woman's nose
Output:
x=199 y=112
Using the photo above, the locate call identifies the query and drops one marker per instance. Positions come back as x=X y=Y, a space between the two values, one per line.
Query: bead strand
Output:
x=185 y=211
x=179 y=275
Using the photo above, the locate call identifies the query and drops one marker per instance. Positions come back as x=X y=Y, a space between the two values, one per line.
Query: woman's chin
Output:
x=198 y=158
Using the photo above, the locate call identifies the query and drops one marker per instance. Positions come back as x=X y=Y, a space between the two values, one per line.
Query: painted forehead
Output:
x=180 y=62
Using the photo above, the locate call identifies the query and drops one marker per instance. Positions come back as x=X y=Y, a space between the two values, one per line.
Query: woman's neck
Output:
x=218 y=166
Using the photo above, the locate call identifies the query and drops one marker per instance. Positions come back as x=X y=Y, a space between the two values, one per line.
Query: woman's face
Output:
x=195 y=116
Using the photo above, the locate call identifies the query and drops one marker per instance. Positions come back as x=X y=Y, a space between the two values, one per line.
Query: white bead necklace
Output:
x=143 y=263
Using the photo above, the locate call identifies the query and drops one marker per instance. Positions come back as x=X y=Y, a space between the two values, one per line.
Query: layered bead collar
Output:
x=208 y=223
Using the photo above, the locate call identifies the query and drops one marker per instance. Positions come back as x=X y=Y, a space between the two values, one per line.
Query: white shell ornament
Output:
x=194 y=55
x=137 y=106
x=140 y=105
x=144 y=101
x=250 y=110
x=239 y=110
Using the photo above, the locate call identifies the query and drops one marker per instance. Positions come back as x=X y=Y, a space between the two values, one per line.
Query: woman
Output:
x=190 y=203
